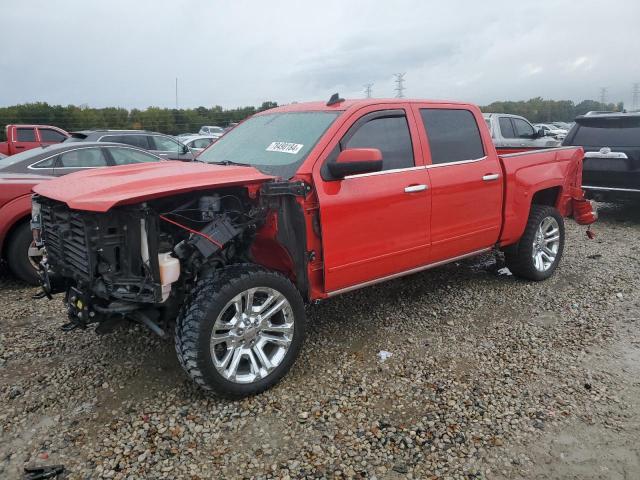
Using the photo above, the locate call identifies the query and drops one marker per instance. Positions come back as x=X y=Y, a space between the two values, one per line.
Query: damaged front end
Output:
x=138 y=261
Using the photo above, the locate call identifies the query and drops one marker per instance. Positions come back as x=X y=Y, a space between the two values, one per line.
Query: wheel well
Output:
x=10 y=232
x=548 y=196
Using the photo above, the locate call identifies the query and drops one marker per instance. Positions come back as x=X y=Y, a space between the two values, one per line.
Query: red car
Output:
x=296 y=204
x=21 y=138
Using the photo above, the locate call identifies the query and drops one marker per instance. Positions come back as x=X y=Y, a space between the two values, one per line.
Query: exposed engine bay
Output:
x=141 y=260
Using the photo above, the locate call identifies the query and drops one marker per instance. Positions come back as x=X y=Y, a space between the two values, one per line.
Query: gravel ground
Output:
x=490 y=377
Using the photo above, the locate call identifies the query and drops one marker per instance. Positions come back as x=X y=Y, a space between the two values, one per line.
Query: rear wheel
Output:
x=20 y=263
x=537 y=254
x=241 y=330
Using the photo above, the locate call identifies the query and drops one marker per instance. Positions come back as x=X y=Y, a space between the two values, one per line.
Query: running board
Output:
x=406 y=272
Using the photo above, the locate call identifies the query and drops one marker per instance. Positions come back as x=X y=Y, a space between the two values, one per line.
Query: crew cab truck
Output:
x=514 y=134
x=21 y=138
x=295 y=205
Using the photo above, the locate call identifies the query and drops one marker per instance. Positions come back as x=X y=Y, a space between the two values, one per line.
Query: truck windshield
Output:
x=620 y=132
x=275 y=143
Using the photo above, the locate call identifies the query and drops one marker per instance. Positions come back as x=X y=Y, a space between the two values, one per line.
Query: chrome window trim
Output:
x=32 y=167
x=406 y=272
x=459 y=162
x=384 y=172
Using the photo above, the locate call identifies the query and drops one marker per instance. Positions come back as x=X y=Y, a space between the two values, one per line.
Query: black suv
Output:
x=164 y=146
x=611 y=141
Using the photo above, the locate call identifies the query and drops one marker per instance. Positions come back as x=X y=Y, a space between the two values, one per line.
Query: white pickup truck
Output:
x=513 y=134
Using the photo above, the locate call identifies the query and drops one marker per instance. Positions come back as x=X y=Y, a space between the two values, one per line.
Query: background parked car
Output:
x=21 y=172
x=2 y=155
x=611 y=166
x=512 y=133
x=162 y=145
x=198 y=143
x=211 y=130
x=25 y=137
x=551 y=130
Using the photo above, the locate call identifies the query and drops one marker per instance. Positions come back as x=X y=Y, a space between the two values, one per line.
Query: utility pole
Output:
x=400 y=88
x=636 y=96
x=176 y=93
x=367 y=89
x=603 y=98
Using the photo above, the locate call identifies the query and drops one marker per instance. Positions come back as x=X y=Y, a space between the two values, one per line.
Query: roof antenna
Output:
x=335 y=98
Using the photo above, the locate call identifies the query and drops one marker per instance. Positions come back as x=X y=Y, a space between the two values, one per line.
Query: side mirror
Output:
x=353 y=161
x=185 y=149
x=540 y=133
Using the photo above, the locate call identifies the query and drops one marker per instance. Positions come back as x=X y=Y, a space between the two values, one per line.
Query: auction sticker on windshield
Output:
x=285 y=147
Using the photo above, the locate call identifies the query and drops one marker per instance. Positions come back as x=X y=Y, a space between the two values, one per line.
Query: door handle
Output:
x=490 y=176
x=414 y=188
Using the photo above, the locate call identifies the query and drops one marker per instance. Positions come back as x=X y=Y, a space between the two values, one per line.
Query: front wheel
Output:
x=241 y=330
x=22 y=255
x=537 y=255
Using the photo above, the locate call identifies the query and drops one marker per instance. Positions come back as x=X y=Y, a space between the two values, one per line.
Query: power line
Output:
x=636 y=96
x=400 y=88
x=367 y=89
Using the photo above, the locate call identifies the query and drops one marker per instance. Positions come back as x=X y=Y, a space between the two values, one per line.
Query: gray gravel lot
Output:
x=490 y=377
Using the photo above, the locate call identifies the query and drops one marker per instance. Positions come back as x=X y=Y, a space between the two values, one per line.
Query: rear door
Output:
x=374 y=225
x=24 y=138
x=466 y=181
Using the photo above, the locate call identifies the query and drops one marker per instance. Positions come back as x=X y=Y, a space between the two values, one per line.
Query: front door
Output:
x=377 y=224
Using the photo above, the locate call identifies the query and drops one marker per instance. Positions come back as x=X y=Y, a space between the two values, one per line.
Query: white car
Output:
x=198 y=143
x=552 y=130
x=211 y=130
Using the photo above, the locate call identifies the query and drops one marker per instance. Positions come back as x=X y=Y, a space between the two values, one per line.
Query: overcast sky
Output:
x=129 y=52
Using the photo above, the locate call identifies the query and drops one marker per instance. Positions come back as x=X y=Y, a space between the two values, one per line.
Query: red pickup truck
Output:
x=295 y=205
x=25 y=137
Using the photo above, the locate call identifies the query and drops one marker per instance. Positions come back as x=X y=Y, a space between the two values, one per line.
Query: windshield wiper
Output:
x=231 y=162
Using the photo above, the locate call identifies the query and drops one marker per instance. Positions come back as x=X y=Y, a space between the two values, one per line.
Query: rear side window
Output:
x=391 y=136
x=139 y=141
x=83 y=158
x=26 y=135
x=453 y=135
x=47 y=163
x=49 y=135
x=506 y=129
x=125 y=156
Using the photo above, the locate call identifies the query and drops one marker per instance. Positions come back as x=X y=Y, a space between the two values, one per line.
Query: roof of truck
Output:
x=349 y=103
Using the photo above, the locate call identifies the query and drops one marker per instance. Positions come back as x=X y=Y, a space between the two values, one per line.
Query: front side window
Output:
x=390 y=135
x=274 y=143
x=523 y=129
x=83 y=158
x=453 y=135
x=26 y=135
x=52 y=136
x=165 y=144
x=506 y=128
x=125 y=156
x=201 y=143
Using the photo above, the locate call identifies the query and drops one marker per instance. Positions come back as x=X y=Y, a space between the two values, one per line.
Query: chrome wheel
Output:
x=252 y=334
x=546 y=244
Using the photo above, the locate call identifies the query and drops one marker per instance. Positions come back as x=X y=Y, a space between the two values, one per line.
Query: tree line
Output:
x=174 y=121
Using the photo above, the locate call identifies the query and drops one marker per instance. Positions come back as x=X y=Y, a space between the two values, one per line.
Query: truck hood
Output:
x=103 y=188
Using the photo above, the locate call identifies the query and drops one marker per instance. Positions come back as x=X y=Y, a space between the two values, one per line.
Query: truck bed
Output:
x=551 y=168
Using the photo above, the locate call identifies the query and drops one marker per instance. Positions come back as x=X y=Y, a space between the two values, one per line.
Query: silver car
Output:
x=198 y=143
x=515 y=133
